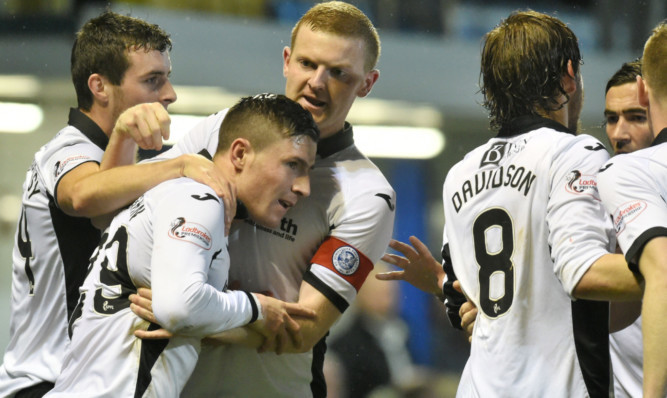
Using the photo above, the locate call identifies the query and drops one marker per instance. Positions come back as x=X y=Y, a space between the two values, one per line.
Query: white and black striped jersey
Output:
x=50 y=259
x=633 y=188
x=627 y=357
x=172 y=240
x=331 y=239
x=524 y=223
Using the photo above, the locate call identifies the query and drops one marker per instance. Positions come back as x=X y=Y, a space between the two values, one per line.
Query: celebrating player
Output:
x=528 y=238
x=326 y=245
x=633 y=188
x=172 y=240
x=117 y=62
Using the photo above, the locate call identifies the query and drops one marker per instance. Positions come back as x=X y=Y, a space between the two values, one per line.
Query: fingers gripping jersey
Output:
x=634 y=190
x=171 y=240
x=331 y=239
x=50 y=259
x=524 y=223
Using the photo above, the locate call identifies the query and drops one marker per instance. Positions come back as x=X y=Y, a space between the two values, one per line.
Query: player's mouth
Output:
x=314 y=102
x=285 y=204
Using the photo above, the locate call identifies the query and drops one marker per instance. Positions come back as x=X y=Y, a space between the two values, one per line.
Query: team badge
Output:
x=346 y=260
x=626 y=213
x=190 y=232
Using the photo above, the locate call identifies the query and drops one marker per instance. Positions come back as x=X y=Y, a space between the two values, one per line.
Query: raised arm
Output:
x=92 y=190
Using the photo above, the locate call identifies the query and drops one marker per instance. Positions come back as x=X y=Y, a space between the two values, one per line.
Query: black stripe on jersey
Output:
x=318 y=385
x=253 y=304
x=204 y=153
x=590 y=321
x=333 y=296
x=453 y=298
x=635 y=250
x=150 y=352
x=77 y=239
x=89 y=128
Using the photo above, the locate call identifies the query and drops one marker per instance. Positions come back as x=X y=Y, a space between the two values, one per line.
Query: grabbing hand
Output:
x=205 y=171
x=146 y=124
x=278 y=323
x=142 y=306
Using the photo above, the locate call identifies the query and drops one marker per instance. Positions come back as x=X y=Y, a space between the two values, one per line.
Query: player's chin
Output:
x=273 y=217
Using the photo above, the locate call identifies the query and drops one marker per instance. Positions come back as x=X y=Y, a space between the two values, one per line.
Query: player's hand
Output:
x=142 y=306
x=278 y=325
x=204 y=171
x=419 y=268
x=468 y=314
x=146 y=124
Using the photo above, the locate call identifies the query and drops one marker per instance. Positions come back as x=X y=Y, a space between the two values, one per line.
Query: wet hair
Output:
x=101 y=46
x=627 y=74
x=342 y=19
x=264 y=118
x=523 y=61
x=655 y=60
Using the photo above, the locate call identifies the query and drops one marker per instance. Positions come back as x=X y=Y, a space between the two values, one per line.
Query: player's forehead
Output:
x=623 y=96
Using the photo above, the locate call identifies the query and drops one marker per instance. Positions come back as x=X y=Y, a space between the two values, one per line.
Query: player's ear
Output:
x=286 y=56
x=369 y=80
x=642 y=92
x=240 y=153
x=569 y=80
x=99 y=87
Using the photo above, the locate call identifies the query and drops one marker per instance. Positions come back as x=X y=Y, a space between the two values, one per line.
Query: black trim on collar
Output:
x=525 y=124
x=337 y=142
x=661 y=138
x=241 y=211
x=89 y=128
x=204 y=153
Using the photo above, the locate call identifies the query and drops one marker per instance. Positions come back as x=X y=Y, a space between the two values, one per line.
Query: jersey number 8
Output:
x=493 y=235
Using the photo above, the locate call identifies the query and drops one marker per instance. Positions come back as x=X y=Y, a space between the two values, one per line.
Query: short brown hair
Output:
x=523 y=61
x=655 y=61
x=342 y=19
x=101 y=46
x=255 y=117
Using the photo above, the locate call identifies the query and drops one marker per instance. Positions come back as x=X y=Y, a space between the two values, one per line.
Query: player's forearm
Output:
x=110 y=190
x=609 y=279
x=243 y=336
x=653 y=265
x=120 y=151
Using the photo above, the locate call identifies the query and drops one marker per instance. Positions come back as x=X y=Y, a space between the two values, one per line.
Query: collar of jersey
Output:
x=525 y=124
x=89 y=128
x=661 y=138
x=337 y=142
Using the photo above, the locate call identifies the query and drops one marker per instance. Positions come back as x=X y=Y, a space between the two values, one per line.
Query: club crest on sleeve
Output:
x=346 y=260
x=190 y=232
x=582 y=184
x=626 y=213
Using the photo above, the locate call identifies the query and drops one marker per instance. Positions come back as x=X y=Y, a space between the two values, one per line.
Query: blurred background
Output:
x=426 y=104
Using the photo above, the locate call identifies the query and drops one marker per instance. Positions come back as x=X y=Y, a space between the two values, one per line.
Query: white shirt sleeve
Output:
x=580 y=230
x=190 y=249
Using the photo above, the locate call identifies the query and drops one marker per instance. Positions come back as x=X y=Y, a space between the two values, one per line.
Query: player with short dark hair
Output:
x=528 y=238
x=626 y=125
x=172 y=239
x=633 y=188
x=69 y=182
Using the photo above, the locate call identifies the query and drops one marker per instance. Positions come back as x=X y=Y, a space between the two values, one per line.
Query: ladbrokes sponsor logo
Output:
x=582 y=184
x=190 y=232
x=626 y=213
x=61 y=166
